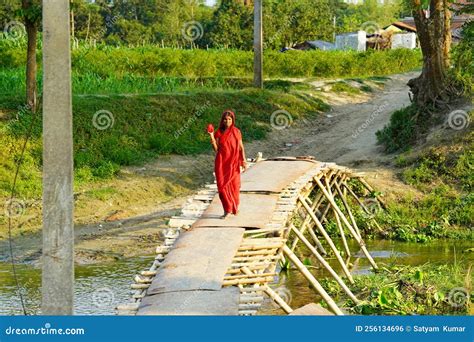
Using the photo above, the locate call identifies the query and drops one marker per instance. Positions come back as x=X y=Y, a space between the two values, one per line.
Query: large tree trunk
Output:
x=31 y=66
x=433 y=86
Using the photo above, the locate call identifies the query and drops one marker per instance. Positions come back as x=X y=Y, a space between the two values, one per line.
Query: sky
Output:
x=210 y=2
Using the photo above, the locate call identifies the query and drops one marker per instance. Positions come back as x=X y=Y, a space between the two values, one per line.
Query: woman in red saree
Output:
x=230 y=157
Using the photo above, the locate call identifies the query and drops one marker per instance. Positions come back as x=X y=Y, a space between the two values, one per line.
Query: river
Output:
x=100 y=287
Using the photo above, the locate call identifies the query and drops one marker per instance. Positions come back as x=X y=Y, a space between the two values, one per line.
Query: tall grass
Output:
x=106 y=61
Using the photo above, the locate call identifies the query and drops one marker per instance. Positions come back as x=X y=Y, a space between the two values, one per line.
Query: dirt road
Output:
x=346 y=134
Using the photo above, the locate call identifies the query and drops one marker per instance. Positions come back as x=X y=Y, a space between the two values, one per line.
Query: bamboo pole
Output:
x=303 y=227
x=326 y=265
x=316 y=203
x=356 y=198
x=247 y=281
x=328 y=239
x=328 y=206
x=368 y=187
x=245 y=276
x=362 y=205
x=272 y=294
x=348 y=209
x=307 y=274
x=351 y=230
x=343 y=236
x=323 y=214
x=339 y=225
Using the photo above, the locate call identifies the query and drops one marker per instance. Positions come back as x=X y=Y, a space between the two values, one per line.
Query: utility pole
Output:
x=258 y=45
x=58 y=203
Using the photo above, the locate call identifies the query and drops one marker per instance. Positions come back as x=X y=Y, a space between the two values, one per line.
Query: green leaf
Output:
x=419 y=276
x=383 y=300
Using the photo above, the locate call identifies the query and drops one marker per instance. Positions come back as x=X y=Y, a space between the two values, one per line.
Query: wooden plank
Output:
x=255 y=211
x=199 y=260
x=221 y=302
x=274 y=176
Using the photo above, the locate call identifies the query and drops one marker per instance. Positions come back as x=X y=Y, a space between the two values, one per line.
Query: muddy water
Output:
x=100 y=287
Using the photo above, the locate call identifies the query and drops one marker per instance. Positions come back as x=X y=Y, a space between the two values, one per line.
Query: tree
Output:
x=88 y=21
x=232 y=26
x=370 y=15
x=31 y=13
x=434 y=86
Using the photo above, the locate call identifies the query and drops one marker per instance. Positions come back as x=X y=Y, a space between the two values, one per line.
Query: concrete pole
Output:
x=258 y=45
x=58 y=228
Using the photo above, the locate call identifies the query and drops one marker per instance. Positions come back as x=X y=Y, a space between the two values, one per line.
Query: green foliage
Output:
x=463 y=55
x=343 y=87
x=229 y=24
x=401 y=132
x=352 y=17
x=232 y=26
x=407 y=290
x=444 y=176
x=144 y=64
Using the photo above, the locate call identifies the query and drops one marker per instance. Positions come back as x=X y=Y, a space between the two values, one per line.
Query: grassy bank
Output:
x=441 y=171
x=141 y=128
x=112 y=132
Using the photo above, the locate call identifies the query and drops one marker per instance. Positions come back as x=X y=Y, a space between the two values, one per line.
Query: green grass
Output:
x=144 y=127
x=152 y=61
x=444 y=175
x=343 y=87
x=401 y=132
x=101 y=194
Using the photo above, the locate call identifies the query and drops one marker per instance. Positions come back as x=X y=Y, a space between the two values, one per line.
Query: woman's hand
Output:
x=244 y=166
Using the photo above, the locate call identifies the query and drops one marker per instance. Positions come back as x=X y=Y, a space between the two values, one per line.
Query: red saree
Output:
x=227 y=165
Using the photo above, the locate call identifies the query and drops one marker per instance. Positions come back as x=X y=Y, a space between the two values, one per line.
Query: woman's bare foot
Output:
x=226 y=215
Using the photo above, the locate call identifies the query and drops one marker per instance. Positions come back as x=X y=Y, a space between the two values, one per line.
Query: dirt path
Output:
x=346 y=134
x=133 y=223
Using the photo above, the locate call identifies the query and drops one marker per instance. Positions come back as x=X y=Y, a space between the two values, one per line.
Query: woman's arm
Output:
x=213 y=141
x=242 y=152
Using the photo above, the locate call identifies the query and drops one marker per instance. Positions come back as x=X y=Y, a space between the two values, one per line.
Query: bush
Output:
x=401 y=132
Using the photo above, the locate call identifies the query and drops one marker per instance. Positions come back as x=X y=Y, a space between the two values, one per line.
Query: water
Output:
x=292 y=284
x=100 y=287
